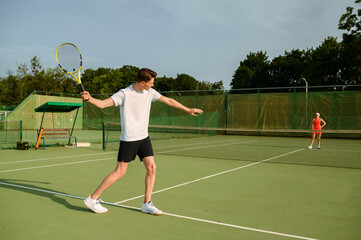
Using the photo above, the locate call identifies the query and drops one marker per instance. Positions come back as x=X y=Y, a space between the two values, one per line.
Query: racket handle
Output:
x=81 y=87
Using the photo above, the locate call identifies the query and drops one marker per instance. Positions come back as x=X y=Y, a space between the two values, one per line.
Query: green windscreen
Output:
x=250 y=110
x=295 y=110
x=10 y=133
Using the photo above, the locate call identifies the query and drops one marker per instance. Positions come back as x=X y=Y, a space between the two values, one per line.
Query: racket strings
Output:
x=69 y=58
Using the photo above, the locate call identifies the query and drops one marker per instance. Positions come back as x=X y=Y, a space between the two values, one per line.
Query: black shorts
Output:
x=129 y=150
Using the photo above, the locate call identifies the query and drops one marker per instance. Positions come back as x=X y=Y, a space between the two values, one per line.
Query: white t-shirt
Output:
x=134 y=112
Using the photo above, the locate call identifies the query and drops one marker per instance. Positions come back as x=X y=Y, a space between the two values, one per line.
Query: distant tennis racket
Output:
x=70 y=61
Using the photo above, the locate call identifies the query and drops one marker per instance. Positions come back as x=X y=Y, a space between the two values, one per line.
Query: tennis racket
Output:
x=70 y=61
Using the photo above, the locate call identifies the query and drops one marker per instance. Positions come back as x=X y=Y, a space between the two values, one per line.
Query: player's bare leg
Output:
x=109 y=180
x=149 y=177
x=148 y=206
x=93 y=201
x=319 y=141
x=312 y=139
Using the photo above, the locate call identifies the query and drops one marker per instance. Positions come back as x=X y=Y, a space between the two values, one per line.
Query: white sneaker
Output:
x=318 y=147
x=150 y=208
x=94 y=205
x=309 y=147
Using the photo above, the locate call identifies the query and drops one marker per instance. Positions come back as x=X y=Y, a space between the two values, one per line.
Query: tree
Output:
x=210 y=86
x=287 y=70
x=242 y=78
x=350 y=53
x=350 y=59
x=165 y=84
x=350 y=21
x=330 y=63
x=107 y=80
x=185 y=82
x=324 y=65
x=252 y=72
x=29 y=77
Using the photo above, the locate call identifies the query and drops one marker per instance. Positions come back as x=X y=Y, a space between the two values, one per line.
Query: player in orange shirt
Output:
x=316 y=125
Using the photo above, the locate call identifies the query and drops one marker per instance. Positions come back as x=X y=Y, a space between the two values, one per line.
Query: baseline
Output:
x=55 y=165
x=51 y=158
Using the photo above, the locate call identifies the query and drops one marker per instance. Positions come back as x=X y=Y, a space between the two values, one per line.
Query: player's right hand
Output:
x=85 y=95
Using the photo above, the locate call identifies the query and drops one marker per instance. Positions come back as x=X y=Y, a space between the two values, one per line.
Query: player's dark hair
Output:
x=145 y=74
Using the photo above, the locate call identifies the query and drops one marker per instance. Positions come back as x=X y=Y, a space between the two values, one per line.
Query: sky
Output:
x=205 y=39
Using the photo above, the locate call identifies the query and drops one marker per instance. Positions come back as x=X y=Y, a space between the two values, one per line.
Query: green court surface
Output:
x=262 y=188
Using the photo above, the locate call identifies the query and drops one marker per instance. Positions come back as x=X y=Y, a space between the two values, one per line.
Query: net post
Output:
x=293 y=98
x=335 y=109
x=21 y=130
x=258 y=109
x=103 y=142
x=226 y=107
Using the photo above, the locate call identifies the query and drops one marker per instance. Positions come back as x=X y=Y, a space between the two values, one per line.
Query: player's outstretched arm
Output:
x=96 y=102
x=173 y=103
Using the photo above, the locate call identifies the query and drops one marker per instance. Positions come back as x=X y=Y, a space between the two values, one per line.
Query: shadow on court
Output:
x=27 y=187
x=57 y=197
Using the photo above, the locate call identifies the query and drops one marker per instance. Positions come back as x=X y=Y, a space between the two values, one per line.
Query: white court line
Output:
x=240 y=227
x=50 y=158
x=55 y=165
x=213 y=175
x=186 y=183
x=168 y=214
x=61 y=164
x=92 y=154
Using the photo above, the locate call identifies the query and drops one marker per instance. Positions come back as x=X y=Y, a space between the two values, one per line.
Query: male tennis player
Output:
x=134 y=102
x=316 y=125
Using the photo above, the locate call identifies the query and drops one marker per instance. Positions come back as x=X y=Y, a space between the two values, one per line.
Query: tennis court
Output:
x=217 y=187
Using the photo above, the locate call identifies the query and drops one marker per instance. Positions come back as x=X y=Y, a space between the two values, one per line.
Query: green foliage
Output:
x=350 y=58
x=210 y=86
x=252 y=72
x=164 y=83
x=331 y=63
x=185 y=82
x=325 y=64
x=16 y=87
x=107 y=80
x=350 y=21
x=288 y=69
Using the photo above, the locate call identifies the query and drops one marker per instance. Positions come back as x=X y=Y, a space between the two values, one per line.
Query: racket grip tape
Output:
x=81 y=87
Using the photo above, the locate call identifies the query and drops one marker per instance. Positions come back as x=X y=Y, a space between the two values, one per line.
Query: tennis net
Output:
x=338 y=148
x=111 y=133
